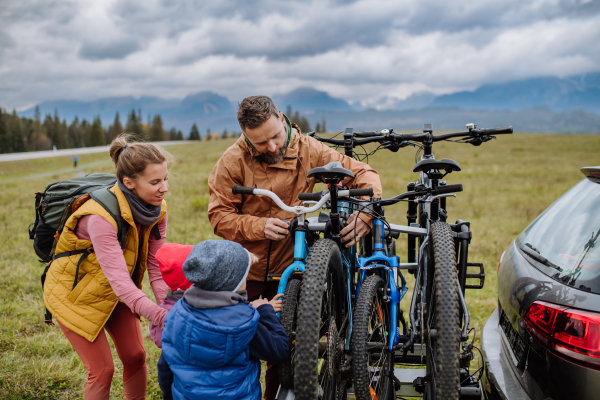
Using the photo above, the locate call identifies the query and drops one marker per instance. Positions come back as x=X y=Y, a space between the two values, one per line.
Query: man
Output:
x=272 y=154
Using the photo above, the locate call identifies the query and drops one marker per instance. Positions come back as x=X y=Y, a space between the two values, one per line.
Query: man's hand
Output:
x=355 y=229
x=276 y=229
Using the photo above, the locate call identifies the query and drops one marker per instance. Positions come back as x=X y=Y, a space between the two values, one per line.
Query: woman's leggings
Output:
x=123 y=326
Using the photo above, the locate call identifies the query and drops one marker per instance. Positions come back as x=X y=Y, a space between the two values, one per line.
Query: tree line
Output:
x=19 y=134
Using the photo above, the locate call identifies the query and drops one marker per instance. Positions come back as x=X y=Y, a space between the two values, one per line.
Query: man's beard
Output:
x=269 y=159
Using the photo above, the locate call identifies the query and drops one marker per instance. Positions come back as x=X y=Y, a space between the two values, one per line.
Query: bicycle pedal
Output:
x=274 y=277
x=480 y=276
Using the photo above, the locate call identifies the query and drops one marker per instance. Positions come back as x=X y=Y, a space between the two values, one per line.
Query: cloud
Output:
x=359 y=50
x=100 y=50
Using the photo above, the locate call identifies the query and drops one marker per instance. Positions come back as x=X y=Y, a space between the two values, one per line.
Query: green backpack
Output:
x=54 y=206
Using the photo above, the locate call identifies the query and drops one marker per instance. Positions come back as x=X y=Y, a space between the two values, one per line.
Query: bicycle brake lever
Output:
x=476 y=141
x=433 y=198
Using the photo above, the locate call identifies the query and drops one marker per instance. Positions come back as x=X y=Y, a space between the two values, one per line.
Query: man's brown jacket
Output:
x=242 y=218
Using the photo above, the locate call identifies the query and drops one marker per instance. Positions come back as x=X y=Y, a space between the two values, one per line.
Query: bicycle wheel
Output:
x=289 y=316
x=443 y=323
x=371 y=360
x=321 y=313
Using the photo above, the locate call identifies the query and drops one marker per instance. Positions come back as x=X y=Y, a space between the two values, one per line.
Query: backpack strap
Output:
x=108 y=200
x=156 y=231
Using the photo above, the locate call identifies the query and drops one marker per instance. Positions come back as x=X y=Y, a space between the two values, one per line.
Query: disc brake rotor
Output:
x=332 y=346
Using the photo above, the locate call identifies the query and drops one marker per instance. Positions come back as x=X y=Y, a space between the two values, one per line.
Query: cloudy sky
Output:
x=356 y=50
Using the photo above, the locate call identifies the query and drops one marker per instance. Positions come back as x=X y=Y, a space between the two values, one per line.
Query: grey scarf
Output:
x=143 y=215
x=204 y=299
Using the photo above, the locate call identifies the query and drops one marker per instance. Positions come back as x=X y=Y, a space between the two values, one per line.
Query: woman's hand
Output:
x=160 y=318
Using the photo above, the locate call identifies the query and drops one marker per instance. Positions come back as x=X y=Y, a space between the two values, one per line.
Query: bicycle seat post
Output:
x=334 y=215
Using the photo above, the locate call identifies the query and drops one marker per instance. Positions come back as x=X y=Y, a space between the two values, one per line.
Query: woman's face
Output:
x=151 y=185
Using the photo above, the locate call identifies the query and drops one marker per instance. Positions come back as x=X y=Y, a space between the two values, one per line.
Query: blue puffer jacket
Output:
x=207 y=351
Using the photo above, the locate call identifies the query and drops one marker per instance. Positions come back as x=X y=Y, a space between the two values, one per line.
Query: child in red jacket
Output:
x=171 y=257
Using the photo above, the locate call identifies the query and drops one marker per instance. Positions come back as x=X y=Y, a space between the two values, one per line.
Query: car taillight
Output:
x=569 y=333
x=501 y=258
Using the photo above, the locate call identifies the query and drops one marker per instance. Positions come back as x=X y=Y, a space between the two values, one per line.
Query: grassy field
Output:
x=507 y=183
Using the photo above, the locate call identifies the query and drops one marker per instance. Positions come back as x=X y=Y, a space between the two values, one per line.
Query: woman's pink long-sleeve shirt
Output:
x=110 y=257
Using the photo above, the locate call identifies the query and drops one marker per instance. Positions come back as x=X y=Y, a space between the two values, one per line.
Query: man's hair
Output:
x=254 y=111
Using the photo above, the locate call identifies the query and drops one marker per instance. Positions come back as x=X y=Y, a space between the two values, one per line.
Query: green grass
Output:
x=507 y=183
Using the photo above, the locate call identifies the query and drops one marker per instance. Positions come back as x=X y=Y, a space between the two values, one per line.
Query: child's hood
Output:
x=208 y=338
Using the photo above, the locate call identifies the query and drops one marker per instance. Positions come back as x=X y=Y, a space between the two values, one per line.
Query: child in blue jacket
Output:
x=213 y=338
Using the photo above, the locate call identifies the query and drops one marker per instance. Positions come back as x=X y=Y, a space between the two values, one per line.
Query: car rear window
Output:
x=563 y=242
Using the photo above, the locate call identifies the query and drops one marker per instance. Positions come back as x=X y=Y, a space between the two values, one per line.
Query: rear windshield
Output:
x=563 y=242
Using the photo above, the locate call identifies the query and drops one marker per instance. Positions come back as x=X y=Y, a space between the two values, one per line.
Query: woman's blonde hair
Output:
x=132 y=157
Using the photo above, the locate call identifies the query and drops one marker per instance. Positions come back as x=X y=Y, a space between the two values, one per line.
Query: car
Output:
x=543 y=340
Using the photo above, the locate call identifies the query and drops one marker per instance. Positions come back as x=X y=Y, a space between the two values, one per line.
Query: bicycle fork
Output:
x=388 y=270
x=299 y=264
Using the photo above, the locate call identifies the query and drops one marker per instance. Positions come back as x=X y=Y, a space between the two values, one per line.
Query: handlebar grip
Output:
x=310 y=196
x=367 y=134
x=497 y=131
x=242 y=190
x=311 y=133
x=362 y=192
x=448 y=189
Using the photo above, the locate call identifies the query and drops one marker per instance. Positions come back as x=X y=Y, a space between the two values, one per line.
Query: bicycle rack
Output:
x=408 y=378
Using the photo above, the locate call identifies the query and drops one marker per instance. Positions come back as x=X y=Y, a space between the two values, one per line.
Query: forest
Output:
x=20 y=134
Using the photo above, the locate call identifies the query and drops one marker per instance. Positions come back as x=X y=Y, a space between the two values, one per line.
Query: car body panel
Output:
x=499 y=379
x=511 y=355
x=544 y=375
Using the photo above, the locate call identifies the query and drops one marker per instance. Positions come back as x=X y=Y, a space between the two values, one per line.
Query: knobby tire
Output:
x=322 y=300
x=443 y=350
x=289 y=317
x=372 y=366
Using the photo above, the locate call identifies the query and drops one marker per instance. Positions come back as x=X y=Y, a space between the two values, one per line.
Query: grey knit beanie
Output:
x=217 y=265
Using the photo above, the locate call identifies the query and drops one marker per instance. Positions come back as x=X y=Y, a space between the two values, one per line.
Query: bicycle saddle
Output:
x=430 y=164
x=332 y=171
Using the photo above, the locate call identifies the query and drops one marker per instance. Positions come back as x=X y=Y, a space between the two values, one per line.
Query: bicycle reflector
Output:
x=571 y=334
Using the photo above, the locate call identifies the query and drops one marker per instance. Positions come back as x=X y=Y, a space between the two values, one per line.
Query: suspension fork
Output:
x=299 y=264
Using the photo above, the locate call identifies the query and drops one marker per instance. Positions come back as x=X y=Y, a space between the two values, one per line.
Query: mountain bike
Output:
x=316 y=307
x=437 y=256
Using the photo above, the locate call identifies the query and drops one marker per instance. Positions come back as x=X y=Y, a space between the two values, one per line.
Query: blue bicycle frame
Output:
x=301 y=252
x=388 y=270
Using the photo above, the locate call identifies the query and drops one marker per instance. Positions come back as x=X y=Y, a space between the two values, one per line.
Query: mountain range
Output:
x=544 y=104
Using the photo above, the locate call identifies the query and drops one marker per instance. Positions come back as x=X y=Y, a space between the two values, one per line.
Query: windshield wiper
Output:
x=535 y=254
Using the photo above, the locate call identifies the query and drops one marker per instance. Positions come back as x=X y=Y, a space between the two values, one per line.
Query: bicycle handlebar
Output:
x=367 y=134
x=242 y=190
x=352 y=192
x=310 y=196
x=418 y=193
x=447 y=189
x=370 y=137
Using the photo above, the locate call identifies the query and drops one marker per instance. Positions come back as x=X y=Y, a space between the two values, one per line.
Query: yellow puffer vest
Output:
x=86 y=308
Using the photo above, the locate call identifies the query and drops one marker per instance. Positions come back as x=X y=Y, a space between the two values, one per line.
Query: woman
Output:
x=108 y=293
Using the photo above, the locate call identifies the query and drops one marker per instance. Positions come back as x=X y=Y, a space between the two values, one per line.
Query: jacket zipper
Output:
x=268 y=259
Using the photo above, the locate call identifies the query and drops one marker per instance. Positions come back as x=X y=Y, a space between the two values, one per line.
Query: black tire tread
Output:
x=360 y=355
x=307 y=336
x=447 y=313
x=288 y=314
